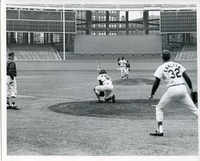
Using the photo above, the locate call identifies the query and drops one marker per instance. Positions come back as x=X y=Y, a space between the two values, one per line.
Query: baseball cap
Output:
x=11 y=54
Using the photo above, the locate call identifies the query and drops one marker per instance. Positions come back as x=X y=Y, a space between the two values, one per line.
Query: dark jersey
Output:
x=128 y=65
x=11 y=68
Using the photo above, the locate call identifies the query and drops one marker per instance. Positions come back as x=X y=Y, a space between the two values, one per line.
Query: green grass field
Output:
x=82 y=127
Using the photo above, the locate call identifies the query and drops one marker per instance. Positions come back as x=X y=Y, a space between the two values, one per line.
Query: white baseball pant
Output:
x=123 y=71
x=107 y=89
x=11 y=87
x=175 y=93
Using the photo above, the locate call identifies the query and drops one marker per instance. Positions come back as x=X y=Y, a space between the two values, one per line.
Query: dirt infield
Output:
x=59 y=116
x=126 y=109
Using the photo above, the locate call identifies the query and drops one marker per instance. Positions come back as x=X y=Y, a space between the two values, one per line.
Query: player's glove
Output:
x=194 y=96
x=101 y=94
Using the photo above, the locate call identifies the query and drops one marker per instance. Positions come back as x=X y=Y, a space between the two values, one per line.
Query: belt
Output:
x=177 y=84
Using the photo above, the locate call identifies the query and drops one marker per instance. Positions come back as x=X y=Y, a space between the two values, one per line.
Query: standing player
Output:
x=11 y=82
x=122 y=62
x=175 y=76
x=105 y=86
x=128 y=66
x=98 y=67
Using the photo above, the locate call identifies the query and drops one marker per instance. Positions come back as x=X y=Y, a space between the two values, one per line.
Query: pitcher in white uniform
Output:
x=122 y=64
x=174 y=74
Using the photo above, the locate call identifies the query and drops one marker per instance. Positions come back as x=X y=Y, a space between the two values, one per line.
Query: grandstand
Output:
x=188 y=52
x=97 y=32
x=33 y=52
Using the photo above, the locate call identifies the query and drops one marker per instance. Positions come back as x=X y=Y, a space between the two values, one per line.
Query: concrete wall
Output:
x=118 y=44
x=92 y=65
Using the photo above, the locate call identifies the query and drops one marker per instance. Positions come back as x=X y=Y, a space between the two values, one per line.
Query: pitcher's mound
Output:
x=133 y=109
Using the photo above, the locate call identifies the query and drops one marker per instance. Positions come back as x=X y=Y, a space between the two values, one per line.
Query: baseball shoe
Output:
x=108 y=99
x=113 y=98
x=9 y=107
x=99 y=101
x=156 y=133
x=15 y=108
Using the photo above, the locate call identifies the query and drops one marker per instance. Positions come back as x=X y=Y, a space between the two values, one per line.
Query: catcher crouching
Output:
x=105 y=87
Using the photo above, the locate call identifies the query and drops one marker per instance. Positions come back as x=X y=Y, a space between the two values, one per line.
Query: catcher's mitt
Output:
x=101 y=94
x=194 y=96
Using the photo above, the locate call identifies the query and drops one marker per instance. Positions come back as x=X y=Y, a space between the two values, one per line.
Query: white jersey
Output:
x=171 y=72
x=123 y=63
x=105 y=78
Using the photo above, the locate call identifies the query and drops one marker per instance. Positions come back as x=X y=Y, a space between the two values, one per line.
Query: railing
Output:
x=113 y=56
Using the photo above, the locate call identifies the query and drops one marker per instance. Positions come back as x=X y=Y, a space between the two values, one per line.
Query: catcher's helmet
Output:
x=102 y=71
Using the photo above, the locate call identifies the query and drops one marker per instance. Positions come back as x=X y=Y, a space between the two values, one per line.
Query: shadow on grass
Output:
x=133 y=81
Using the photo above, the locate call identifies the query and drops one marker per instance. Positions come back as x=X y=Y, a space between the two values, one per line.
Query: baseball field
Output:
x=58 y=116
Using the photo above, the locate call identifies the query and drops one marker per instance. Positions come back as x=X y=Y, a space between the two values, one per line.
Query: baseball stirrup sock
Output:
x=160 y=127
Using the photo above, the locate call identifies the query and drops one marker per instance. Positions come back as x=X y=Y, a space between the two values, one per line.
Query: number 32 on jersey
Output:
x=174 y=72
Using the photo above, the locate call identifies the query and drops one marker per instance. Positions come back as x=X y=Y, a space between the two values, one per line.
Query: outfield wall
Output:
x=117 y=44
x=92 y=65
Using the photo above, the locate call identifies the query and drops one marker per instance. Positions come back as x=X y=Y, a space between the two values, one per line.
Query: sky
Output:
x=103 y=1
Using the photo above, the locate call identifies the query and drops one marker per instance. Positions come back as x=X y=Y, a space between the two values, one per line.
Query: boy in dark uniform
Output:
x=11 y=82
